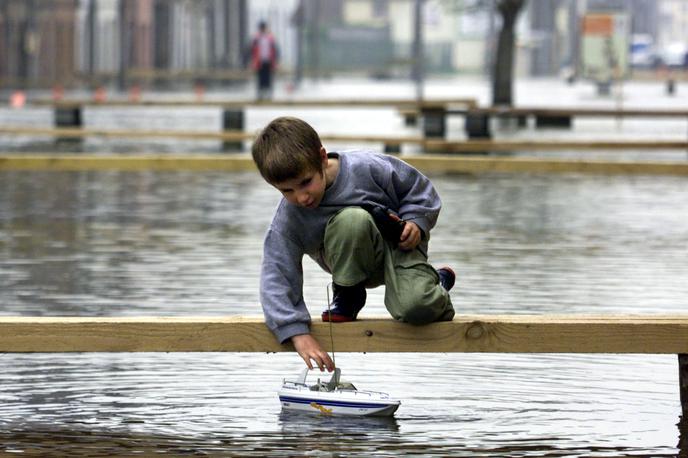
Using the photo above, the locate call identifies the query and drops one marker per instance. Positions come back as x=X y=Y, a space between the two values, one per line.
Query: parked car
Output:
x=674 y=55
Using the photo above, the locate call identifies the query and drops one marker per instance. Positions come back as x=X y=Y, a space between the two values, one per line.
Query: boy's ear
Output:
x=323 y=155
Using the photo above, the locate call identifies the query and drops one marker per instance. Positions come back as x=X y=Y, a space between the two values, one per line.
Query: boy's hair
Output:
x=285 y=149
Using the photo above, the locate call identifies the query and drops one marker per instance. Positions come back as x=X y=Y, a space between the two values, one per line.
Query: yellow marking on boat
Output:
x=322 y=409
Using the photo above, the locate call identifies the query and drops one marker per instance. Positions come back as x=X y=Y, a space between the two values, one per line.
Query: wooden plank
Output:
x=470 y=333
x=439 y=163
x=429 y=145
x=427 y=163
x=554 y=145
x=226 y=135
x=578 y=111
x=128 y=162
x=240 y=104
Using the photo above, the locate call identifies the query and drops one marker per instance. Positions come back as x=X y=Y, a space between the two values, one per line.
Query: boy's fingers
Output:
x=328 y=363
x=308 y=362
x=406 y=232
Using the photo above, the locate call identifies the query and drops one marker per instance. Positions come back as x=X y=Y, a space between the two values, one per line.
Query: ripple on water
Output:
x=190 y=244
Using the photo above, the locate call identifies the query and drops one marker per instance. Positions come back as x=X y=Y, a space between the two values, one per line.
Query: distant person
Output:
x=363 y=217
x=264 y=58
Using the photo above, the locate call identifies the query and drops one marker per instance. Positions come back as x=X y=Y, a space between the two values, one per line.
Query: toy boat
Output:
x=335 y=398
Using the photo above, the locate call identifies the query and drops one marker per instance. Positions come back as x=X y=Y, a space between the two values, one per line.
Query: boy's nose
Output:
x=303 y=198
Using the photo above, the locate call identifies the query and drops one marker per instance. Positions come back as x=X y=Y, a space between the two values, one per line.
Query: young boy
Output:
x=335 y=209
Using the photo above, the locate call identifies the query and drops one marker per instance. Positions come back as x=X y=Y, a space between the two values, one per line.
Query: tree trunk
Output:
x=502 y=77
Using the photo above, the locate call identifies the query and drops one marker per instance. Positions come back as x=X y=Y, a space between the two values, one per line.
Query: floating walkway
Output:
x=253 y=103
x=433 y=112
x=654 y=334
x=651 y=334
x=428 y=144
x=424 y=162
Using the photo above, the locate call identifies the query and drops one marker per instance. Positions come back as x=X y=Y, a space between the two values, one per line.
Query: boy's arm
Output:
x=418 y=200
x=281 y=287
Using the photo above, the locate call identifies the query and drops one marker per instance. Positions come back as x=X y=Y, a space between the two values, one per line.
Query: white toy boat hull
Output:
x=335 y=398
x=339 y=406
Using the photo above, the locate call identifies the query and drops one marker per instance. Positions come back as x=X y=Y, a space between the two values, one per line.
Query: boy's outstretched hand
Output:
x=410 y=236
x=310 y=350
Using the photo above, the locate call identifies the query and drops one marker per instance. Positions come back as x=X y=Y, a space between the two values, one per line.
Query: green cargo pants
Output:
x=357 y=253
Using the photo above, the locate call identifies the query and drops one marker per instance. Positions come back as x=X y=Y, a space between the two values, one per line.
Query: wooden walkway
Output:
x=650 y=334
x=342 y=103
x=449 y=146
x=577 y=112
x=426 y=163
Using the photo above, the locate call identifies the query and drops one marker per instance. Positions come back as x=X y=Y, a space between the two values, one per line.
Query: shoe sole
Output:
x=453 y=274
x=336 y=318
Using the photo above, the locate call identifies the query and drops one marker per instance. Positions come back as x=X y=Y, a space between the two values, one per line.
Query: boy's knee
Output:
x=351 y=218
x=424 y=307
x=349 y=222
x=418 y=315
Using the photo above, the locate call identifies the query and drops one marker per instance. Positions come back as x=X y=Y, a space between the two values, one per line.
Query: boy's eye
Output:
x=306 y=182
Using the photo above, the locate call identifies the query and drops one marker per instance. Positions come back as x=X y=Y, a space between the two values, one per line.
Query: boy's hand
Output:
x=310 y=349
x=410 y=236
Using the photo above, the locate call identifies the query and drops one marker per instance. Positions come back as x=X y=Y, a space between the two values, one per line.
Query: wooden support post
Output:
x=478 y=125
x=233 y=120
x=562 y=121
x=68 y=117
x=392 y=148
x=434 y=122
x=410 y=118
x=683 y=382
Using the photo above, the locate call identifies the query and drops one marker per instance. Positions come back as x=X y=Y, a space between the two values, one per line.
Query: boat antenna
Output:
x=329 y=316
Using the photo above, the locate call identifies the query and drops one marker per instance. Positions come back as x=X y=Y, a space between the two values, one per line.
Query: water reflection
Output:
x=451 y=404
x=109 y=243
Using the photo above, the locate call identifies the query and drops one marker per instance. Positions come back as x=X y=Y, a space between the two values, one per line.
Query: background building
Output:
x=169 y=42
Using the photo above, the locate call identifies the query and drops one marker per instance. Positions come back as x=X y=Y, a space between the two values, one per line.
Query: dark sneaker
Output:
x=447 y=277
x=347 y=302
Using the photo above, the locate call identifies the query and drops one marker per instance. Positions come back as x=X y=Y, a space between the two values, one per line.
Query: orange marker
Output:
x=58 y=92
x=135 y=93
x=100 y=95
x=17 y=99
x=199 y=89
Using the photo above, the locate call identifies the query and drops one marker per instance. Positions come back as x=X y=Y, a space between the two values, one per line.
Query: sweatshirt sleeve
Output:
x=281 y=287
x=418 y=200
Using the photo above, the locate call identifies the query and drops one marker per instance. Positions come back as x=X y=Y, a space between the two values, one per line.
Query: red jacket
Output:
x=255 y=51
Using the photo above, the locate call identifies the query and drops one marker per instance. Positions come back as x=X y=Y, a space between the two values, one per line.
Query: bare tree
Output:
x=502 y=76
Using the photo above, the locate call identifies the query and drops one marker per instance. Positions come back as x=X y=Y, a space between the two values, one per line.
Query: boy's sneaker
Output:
x=447 y=277
x=347 y=302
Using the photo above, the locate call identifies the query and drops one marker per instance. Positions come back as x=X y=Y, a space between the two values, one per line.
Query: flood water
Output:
x=189 y=243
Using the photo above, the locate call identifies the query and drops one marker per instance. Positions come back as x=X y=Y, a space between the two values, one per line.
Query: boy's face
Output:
x=306 y=190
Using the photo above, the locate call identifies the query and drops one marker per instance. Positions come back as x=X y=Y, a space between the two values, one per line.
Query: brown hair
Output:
x=285 y=149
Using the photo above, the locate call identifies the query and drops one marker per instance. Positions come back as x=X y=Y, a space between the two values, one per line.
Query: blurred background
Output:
x=167 y=44
x=98 y=240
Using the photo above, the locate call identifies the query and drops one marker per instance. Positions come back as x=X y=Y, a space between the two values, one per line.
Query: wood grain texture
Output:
x=426 y=163
x=241 y=104
x=475 y=333
x=579 y=111
x=428 y=144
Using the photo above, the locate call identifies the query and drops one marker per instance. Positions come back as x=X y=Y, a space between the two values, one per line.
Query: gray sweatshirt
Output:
x=364 y=178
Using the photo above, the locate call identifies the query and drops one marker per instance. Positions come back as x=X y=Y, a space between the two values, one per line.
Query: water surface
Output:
x=189 y=243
